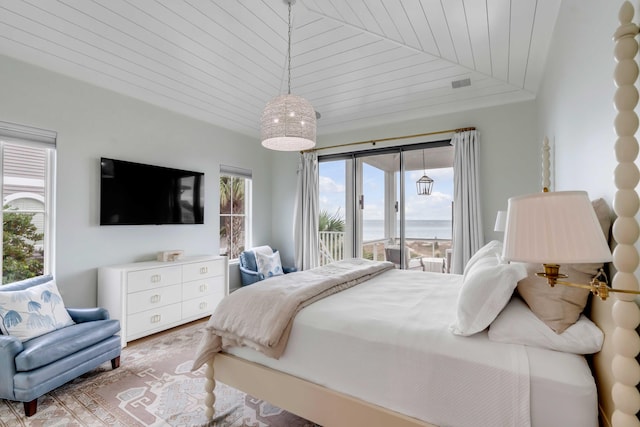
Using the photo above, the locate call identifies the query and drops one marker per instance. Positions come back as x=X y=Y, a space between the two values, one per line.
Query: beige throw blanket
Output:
x=260 y=316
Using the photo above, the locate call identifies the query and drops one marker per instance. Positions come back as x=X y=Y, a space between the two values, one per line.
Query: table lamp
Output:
x=501 y=221
x=554 y=228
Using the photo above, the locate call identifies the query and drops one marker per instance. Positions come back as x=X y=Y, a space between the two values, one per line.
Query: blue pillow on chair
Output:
x=249 y=271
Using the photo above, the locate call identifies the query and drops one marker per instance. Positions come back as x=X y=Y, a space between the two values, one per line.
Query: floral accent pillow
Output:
x=32 y=312
x=269 y=265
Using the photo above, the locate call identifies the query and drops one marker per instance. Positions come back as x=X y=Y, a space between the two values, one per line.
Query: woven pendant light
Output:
x=288 y=122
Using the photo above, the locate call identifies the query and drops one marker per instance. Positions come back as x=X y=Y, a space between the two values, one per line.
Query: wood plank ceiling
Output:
x=359 y=62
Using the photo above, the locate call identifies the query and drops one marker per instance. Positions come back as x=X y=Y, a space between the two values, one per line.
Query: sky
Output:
x=435 y=206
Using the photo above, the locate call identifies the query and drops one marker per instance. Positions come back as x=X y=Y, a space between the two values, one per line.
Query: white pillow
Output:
x=32 y=312
x=486 y=288
x=269 y=265
x=517 y=324
x=492 y=248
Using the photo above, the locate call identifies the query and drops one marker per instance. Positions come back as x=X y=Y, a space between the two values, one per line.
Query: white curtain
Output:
x=468 y=236
x=305 y=231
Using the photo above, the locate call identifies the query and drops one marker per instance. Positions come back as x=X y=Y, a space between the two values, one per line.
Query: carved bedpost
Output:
x=209 y=386
x=546 y=173
x=626 y=315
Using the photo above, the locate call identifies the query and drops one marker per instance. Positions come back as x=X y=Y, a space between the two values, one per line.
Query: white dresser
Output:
x=149 y=297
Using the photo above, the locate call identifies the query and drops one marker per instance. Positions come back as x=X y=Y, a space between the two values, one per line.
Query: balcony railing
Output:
x=331 y=246
x=422 y=251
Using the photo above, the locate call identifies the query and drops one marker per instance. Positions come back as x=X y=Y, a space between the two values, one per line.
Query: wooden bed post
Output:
x=625 y=313
x=546 y=163
x=209 y=386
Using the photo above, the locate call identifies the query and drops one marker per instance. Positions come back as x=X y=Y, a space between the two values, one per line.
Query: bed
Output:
x=413 y=342
x=318 y=379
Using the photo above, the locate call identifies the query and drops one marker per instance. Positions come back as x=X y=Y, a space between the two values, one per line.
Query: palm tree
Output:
x=327 y=222
x=231 y=190
x=232 y=214
x=332 y=245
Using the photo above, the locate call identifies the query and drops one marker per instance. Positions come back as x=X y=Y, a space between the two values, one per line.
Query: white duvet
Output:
x=387 y=341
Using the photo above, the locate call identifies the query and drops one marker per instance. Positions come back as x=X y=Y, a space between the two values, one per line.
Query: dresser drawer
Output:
x=154 y=319
x=152 y=296
x=198 y=270
x=158 y=297
x=202 y=287
x=148 y=279
x=200 y=307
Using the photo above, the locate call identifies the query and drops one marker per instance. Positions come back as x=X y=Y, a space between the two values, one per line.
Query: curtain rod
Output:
x=374 y=141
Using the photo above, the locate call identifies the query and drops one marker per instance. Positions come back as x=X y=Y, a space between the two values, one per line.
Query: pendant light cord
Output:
x=289 y=51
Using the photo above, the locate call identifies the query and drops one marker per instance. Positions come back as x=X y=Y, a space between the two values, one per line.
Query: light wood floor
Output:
x=203 y=321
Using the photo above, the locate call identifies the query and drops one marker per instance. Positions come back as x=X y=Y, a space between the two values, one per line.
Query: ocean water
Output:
x=373 y=229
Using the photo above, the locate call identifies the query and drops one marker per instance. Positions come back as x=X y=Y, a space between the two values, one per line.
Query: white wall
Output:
x=575 y=106
x=91 y=123
x=575 y=102
x=510 y=158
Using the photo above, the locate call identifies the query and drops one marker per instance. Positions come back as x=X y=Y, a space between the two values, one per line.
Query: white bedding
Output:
x=387 y=341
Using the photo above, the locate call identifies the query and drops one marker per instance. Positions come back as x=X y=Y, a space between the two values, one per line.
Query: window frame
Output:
x=353 y=188
x=247 y=175
x=14 y=134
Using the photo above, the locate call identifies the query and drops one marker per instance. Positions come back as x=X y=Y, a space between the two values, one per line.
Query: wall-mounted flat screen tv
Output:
x=136 y=194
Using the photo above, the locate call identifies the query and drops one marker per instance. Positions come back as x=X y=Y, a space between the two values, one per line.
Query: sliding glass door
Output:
x=377 y=214
x=371 y=207
x=336 y=222
x=428 y=217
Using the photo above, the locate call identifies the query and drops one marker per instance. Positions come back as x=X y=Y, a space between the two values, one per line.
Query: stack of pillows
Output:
x=521 y=308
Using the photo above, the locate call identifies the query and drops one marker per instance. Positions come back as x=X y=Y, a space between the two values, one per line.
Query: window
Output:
x=369 y=205
x=235 y=208
x=27 y=161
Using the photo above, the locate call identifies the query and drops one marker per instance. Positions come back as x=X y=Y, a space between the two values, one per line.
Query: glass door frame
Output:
x=353 y=182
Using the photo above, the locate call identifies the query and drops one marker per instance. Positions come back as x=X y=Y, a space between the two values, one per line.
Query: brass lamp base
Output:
x=552 y=274
x=596 y=287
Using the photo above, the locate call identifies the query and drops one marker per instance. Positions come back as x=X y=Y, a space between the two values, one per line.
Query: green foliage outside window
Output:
x=232 y=215
x=328 y=222
x=20 y=259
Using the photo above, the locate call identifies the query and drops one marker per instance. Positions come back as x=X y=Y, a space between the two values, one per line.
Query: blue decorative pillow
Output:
x=32 y=312
x=269 y=265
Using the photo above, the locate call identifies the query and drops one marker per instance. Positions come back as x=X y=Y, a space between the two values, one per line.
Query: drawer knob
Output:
x=204 y=270
x=156 y=278
x=203 y=287
x=155 y=318
x=156 y=299
x=203 y=305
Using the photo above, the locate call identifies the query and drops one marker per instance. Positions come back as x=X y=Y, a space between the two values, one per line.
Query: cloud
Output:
x=328 y=185
x=435 y=206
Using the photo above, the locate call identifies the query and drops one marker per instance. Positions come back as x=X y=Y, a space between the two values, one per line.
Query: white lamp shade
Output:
x=554 y=228
x=288 y=123
x=501 y=221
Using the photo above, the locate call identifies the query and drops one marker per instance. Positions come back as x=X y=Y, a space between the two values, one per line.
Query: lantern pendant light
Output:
x=425 y=184
x=288 y=122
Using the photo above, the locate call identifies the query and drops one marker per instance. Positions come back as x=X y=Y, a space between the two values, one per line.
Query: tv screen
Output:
x=137 y=194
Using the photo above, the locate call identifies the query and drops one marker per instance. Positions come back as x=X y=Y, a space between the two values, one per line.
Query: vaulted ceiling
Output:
x=359 y=62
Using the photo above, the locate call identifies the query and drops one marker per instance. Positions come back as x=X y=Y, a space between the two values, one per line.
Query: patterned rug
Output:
x=153 y=386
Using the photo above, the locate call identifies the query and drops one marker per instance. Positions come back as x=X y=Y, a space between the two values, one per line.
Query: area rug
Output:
x=153 y=386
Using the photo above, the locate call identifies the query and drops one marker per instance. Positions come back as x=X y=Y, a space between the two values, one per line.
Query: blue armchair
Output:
x=36 y=366
x=249 y=273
